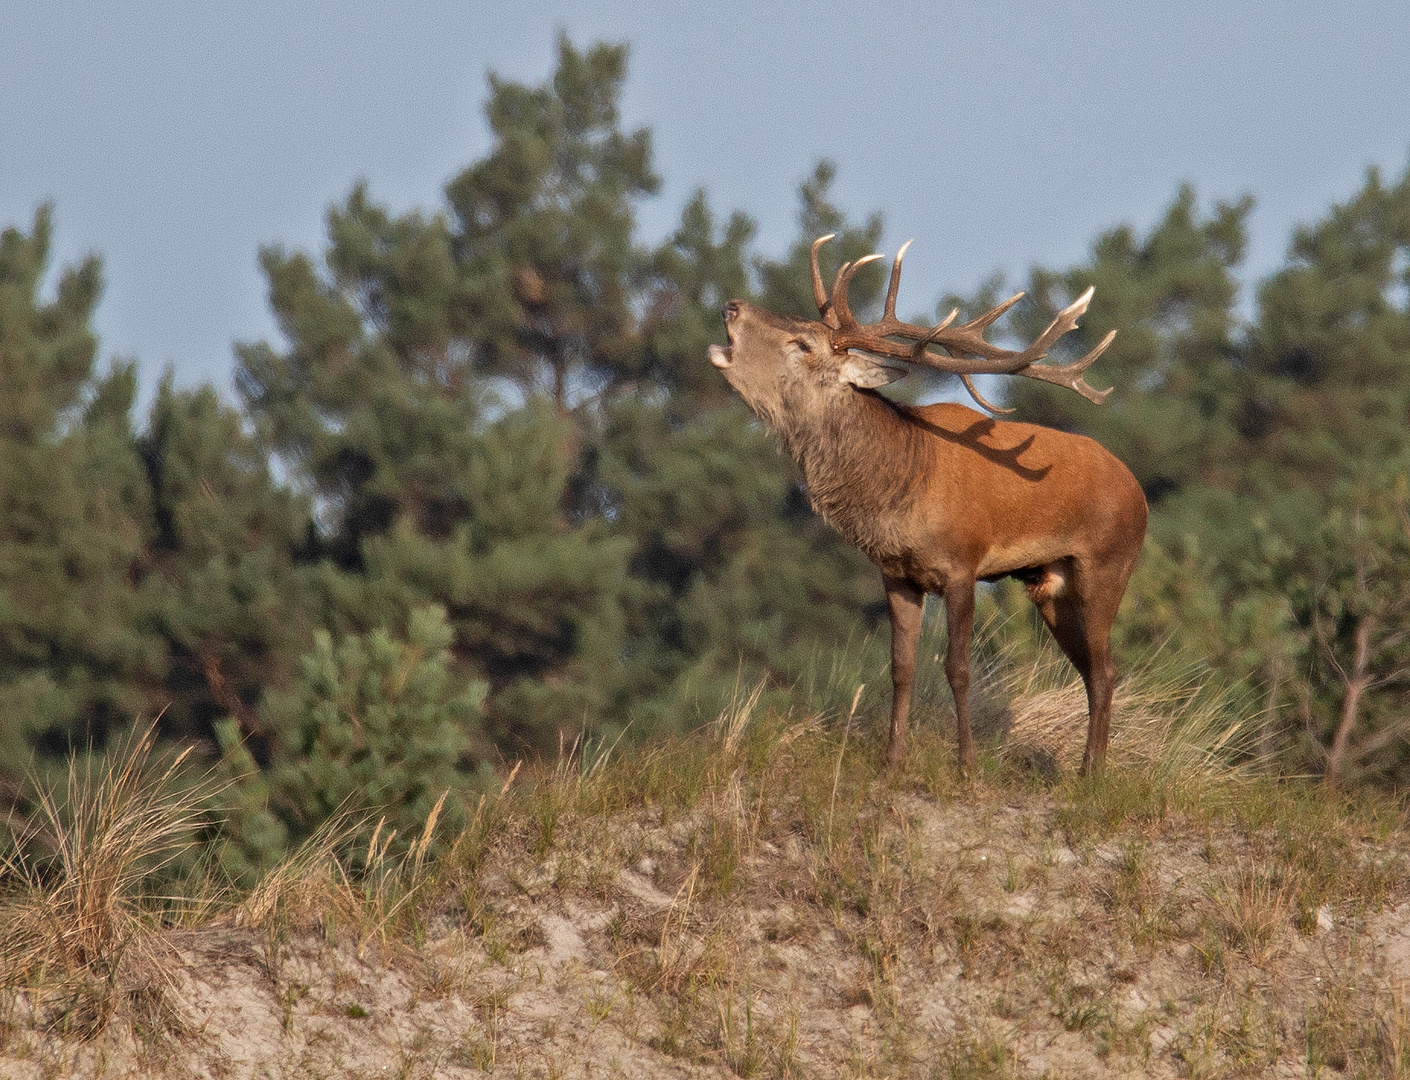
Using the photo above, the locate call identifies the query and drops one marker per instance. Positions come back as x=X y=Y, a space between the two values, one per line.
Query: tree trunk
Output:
x=226 y=697
x=1351 y=703
x=1267 y=745
x=560 y=387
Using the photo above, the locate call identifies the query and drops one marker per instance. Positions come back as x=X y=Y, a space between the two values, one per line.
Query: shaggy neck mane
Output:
x=863 y=459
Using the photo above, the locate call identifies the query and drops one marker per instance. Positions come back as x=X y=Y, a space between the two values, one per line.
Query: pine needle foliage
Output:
x=374 y=731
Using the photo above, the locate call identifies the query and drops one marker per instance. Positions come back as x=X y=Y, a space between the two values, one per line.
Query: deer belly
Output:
x=1029 y=555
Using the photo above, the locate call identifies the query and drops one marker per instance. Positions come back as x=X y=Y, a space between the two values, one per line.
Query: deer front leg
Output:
x=907 y=602
x=959 y=621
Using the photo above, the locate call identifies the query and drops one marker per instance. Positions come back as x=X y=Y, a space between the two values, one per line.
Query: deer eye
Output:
x=803 y=346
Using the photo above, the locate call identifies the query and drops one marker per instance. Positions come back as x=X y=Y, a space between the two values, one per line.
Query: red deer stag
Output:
x=940 y=496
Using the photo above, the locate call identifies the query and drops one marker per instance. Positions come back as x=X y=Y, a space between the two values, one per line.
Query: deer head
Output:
x=785 y=367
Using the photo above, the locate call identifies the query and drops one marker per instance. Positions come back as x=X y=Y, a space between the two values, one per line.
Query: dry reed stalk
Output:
x=394 y=888
x=76 y=927
x=314 y=880
x=837 y=772
x=735 y=718
x=310 y=879
x=672 y=954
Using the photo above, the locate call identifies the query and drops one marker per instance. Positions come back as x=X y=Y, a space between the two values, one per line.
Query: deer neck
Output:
x=863 y=462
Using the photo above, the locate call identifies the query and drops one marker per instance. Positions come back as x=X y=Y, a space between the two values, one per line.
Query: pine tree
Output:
x=1322 y=422
x=1349 y=584
x=432 y=488
x=225 y=582
x=373 y=732
x=1328 y=383
x=508 y=412
x=544 y=227
x=75 y=661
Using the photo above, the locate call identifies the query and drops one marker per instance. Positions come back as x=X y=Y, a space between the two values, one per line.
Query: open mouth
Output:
x=720 y=356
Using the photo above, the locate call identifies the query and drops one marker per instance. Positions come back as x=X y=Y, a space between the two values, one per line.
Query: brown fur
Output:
x=941 y=496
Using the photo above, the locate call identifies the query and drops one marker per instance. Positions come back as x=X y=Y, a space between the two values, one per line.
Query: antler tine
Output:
x=935 y=331
x=1066 y=320
x=819 y=292
x=845 y=274
x=979 y=398
x=968 y=340
x=984 y=321
x=1070 y=375
x=895 y=286
x=840 y=314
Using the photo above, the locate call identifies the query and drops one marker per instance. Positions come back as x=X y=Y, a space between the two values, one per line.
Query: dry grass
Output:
x=374 y=894
x=1254 y=909
x=765 y=898
x=1172 y=721
x=76 y=902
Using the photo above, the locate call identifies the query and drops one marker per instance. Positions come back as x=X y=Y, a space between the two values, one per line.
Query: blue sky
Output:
x=175 y=138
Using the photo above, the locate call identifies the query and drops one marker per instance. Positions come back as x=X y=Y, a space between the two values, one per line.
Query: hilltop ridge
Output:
x=763 y=899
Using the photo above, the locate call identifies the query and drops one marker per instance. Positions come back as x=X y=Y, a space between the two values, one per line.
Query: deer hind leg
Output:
x=907 y=603
x=1080 y=608
x=1101 y=588
x=959 y=621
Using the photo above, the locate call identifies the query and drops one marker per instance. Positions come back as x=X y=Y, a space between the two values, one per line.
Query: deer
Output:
x=940 y=497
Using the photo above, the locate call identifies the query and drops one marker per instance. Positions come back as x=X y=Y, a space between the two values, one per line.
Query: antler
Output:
x=968 y=353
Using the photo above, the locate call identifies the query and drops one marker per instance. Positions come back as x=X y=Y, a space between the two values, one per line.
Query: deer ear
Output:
x=868 y=373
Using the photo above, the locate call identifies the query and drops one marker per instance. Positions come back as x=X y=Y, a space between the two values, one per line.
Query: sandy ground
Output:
x=970 y=939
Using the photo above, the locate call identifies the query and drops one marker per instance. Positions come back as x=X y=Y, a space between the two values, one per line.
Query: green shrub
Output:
x=376 y=728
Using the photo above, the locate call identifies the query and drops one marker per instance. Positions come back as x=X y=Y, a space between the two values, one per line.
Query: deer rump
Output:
x=940 y=497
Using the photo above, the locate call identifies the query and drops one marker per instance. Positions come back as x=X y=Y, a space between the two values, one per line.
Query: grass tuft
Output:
x=1254 y=908
x=78 y=877
x=1171 y=719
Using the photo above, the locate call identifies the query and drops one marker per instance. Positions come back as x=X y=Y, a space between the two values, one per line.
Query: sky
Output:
x=175 y=139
